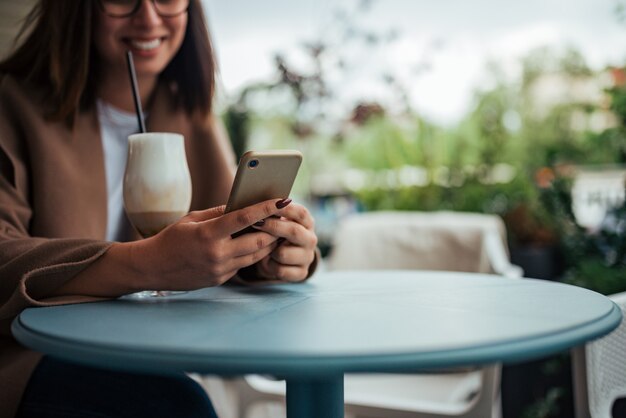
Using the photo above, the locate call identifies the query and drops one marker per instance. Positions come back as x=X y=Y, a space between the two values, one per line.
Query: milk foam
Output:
x=157 y=176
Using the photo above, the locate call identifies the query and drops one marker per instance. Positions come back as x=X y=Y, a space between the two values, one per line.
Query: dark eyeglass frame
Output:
x=138 y=6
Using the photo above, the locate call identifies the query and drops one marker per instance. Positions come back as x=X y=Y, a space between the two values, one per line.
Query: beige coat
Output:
x=53 y=206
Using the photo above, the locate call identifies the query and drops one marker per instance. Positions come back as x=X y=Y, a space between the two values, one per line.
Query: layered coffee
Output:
x=157 y=183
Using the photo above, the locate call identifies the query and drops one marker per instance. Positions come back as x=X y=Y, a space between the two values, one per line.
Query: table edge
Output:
x=164 y=363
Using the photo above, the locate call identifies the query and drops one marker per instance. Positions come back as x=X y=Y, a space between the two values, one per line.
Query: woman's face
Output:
x=153 y=40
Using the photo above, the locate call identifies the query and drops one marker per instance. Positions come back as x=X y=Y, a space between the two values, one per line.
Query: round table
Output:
x=313 y=333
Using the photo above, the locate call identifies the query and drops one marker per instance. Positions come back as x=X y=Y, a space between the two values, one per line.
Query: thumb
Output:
x=205 y=215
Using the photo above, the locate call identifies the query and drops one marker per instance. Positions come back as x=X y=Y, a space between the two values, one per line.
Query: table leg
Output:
x=315 y=398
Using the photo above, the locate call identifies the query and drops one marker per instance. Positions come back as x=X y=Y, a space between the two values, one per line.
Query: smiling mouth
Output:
x=144 y=45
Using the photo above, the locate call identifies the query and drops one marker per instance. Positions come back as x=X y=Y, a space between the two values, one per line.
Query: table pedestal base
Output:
x=315 y=398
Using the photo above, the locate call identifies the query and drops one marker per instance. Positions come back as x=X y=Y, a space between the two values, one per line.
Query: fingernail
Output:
x=260 y=223
x=282 y=203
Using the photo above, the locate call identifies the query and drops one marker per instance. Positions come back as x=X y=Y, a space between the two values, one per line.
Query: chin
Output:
x=149 y=69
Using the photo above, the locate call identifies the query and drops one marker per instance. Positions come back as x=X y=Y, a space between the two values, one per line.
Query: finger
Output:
x=240 y=262
x=205 y=215
x=299 y=214
x=263 y=268
x=249 y=243
x=284 y=272
x=292 y=231
x=292 y=255
x=237 y=220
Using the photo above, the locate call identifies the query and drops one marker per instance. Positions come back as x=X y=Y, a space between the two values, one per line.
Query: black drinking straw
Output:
x=133 y=82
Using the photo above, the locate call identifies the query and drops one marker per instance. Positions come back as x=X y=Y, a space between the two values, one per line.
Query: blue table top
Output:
x=387 y=321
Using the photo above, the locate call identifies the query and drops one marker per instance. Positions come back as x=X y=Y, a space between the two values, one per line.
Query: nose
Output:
x=147 y=14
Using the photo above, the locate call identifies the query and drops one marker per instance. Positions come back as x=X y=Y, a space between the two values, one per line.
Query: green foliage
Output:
x=592 y=272
x=613 y=140
x=472 y=196
x=489 y=121
x=382 y=143
x=618 y=103
x=602 y=265
x=608 y=146
x=237 y=121
x=596 y=261
x=546 y=407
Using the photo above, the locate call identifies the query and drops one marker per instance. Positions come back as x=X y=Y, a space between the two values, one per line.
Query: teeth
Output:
x=146 y=45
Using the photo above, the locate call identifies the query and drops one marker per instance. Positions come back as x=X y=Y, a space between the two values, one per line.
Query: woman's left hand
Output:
x=290 y=261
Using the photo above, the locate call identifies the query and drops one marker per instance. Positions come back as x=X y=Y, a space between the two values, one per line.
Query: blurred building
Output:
x=585 y=91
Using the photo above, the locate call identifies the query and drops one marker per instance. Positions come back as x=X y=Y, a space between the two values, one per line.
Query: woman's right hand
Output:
x=199 y=251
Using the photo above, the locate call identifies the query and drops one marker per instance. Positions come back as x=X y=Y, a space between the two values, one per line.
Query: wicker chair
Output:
x=599 y=370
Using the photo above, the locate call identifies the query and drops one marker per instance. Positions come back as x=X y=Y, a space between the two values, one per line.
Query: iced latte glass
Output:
x=157 y=184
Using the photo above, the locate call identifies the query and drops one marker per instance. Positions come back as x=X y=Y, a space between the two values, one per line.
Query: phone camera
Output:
x=253 y=163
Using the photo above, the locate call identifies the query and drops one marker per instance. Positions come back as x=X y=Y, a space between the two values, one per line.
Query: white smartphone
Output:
x=263 y=175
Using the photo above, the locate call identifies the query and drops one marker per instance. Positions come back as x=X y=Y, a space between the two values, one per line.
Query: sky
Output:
x=455 y=38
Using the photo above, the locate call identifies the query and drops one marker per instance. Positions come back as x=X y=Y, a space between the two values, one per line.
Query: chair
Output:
x=411 y=240
x=599 y=370
x=452 y=241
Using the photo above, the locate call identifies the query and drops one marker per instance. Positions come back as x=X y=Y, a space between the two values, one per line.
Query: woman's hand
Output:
x=199 y=251
x=295 y=251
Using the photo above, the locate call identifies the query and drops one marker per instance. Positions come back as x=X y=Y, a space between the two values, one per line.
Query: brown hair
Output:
x=57 y=57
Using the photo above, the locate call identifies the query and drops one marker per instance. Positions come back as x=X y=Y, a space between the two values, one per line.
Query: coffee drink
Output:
x=157 y=184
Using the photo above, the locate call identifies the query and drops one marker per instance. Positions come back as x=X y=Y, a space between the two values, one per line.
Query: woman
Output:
x=65 y=114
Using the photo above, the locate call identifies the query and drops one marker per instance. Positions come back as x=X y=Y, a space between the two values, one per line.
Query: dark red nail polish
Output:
x=260 y=223
x=283 y=203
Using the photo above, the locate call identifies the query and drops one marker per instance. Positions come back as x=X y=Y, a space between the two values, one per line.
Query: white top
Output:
x=115 y=127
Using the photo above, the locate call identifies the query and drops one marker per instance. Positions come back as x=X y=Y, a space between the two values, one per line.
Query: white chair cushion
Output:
x=415 y=240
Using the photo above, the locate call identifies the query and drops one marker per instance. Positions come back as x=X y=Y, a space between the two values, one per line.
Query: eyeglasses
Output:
x=127 y=8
